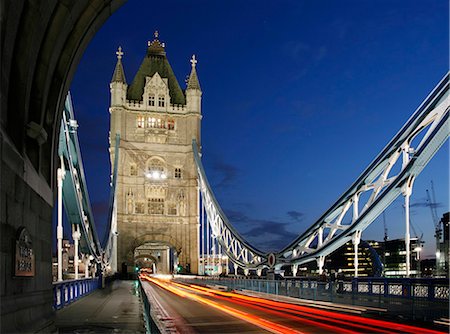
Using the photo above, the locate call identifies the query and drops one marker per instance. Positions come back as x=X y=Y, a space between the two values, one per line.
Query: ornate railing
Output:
x=66 y=292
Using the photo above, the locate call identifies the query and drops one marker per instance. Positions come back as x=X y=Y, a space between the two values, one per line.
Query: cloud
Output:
x=296 y=49
x=226 y=172
x=266 y=235
x=296 y=215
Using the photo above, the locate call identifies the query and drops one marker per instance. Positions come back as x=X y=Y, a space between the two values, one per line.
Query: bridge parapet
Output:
x=418 y=299
x=66 y=292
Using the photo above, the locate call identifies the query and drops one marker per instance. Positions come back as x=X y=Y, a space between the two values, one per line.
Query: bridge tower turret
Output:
x=156 y=191
x=118 y=85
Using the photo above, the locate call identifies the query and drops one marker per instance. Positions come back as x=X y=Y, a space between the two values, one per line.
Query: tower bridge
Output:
x=162 y=212
x=165 y=217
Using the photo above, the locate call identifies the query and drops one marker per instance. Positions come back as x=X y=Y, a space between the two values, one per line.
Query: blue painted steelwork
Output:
x=75 y=193
x=345 y=220
x=66 y=292
x=108 y=241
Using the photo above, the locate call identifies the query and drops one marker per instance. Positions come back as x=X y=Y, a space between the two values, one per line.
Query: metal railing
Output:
x=66 y=292
x=422 y=299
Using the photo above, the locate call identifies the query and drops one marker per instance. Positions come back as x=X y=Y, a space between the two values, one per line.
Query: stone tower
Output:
x=156 y=194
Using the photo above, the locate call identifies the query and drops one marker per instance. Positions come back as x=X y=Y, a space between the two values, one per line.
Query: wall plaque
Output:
x=24 y=259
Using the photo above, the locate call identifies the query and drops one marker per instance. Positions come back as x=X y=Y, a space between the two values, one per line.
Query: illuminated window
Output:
x=133 y=170
x=171 y=124
x=155 y=123
x=161 y=101
x=151 y=100
x=140 y=121
x=178 y=173
x=156 y=206
x=156 y=165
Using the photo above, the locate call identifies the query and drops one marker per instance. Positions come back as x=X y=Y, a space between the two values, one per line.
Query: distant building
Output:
x=442 y=253
x=68 y=254
x=427 y=267
x=395 y=257
x=369 y=260
x=213 y=265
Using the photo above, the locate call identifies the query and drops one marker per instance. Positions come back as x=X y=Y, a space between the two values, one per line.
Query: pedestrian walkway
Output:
x=115 y=309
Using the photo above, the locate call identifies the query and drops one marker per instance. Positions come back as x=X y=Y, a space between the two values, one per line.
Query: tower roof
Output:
x=155 y=61
x=119 y=74
x=193 y=78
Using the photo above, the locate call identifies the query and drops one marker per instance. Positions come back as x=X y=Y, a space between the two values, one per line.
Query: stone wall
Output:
x=25 y=301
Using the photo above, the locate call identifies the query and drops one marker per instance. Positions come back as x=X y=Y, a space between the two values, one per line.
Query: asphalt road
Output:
x=191 y=316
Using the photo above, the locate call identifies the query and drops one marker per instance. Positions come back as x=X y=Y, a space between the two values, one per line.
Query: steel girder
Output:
x=390 y=174
x=77 y=204
x=233 y=244
x=111 y=237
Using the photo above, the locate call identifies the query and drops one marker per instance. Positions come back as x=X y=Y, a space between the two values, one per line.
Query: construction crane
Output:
x=385 y=239
x=437 y=226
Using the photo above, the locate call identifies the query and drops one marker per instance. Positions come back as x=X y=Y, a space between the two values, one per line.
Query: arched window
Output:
x=133 y=169
x=161 y=101
x=171 y=124
x=140 y=121
x=140 y=208
x=156 y=169
x=178 y=173
x=151 y=100
x=156 y=206
x=151 y=122
x=172 y=209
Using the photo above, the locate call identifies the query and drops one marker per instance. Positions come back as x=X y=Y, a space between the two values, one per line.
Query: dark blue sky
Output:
x=298 y=98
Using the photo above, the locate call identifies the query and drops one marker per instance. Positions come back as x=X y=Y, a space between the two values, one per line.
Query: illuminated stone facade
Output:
x=156 y=195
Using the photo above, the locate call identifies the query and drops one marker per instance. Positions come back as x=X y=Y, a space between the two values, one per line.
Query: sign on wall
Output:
x=24 y=259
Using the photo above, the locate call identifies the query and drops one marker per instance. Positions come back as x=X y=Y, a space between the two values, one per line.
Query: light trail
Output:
x=380 y=325
x=262 y=323
x=281 y=311
x=327 y=320
x=329 y=315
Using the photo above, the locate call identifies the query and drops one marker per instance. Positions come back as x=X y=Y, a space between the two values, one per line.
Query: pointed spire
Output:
x=119 y=74
x=193 y=79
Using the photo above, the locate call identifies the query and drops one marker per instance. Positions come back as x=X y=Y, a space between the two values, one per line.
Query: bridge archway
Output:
x=42 y=43
x=146 y=261
x=164 y=248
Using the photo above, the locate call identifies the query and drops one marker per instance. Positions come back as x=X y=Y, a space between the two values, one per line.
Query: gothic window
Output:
x=151 y=122
x=155 y=169
x=156 y=165
x=133 y=169
x=156 y=206
x=171 y=124
x=178 y=173
x=159 y=124
x=161 y=101
x=172 y=209
x=140 y=121
x=140 y=208
x=151 y=100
